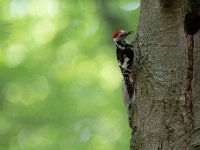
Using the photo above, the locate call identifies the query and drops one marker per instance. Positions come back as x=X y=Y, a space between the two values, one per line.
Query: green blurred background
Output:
x=60 y=86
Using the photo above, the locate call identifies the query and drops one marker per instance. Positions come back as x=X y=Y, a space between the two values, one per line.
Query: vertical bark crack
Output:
x=187 y=114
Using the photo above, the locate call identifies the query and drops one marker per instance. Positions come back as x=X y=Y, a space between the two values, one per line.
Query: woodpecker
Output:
x=126 y=59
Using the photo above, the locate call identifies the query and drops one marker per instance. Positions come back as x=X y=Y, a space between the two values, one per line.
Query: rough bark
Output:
x=166 y=106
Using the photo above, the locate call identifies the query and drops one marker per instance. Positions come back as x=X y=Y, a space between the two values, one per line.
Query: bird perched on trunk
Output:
x=127 y=60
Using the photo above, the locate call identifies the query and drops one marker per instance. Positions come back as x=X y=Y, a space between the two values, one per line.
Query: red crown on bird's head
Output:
x=117 y=33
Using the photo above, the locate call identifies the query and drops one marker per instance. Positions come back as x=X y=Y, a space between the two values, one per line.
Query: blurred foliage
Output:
x=60 y=83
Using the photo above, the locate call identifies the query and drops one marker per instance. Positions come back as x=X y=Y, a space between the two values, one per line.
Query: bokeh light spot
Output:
x=44 y=31
x=19 y=8
x=130 y=6
x=44 y=8
x=15 y=55
x=24 y=93
x=109 y=76
x=85 y=135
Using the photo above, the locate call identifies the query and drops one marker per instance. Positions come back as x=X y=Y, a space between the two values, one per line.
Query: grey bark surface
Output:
x=162 y=117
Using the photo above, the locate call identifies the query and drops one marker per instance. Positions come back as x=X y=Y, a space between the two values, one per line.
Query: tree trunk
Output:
x=165 y=113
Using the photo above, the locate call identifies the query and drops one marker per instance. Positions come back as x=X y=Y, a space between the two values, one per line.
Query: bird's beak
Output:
x=130 y=32
x=126 y=34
